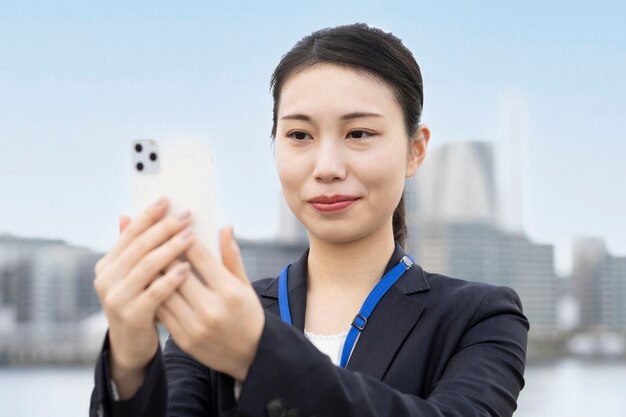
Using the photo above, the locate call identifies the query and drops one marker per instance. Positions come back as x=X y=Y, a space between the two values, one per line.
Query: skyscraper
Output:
x=455 y=229
x=600 y=281
x=456 y=184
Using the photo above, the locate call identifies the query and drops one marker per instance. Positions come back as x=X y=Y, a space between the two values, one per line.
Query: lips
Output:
x=332 y=203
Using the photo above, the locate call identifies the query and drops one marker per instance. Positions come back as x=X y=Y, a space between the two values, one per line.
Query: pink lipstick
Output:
x=333 y=203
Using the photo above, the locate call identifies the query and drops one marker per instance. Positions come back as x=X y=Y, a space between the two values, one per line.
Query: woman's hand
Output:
x=131 y=289
x=217 y=317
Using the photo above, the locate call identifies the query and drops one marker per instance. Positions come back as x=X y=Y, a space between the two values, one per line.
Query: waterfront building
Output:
x=600 y=281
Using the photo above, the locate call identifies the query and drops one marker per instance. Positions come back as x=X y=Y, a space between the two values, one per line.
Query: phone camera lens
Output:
x=139 y=166
x=138 y=147
x=153 y=156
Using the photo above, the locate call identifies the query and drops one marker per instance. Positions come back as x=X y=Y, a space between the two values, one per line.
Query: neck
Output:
x=355 y=266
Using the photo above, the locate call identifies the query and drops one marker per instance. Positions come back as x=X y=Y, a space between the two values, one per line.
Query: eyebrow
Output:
x=348 y=116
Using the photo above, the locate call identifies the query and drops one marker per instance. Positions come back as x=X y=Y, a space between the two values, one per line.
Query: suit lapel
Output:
x=395 y=315
x=388 y=326
x=296 y=287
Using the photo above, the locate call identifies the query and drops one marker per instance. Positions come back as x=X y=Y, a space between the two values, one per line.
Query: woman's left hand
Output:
x=217 y=317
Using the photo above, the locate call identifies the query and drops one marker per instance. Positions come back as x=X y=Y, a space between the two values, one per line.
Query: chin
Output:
x=337 y=235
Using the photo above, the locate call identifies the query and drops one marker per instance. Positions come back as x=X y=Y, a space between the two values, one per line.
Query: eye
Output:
x=360 y=134
x=297 y=135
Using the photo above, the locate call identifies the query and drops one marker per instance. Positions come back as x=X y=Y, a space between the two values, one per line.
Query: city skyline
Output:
x=460 y=223
x=84 y=81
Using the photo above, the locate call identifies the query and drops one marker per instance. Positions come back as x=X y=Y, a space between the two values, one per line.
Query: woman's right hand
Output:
x=130 y=288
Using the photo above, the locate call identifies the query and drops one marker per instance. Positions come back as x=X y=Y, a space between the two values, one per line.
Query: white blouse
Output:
x=330 y=345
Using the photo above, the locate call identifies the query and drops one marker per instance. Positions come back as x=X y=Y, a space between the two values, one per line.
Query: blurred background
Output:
x=524 y=183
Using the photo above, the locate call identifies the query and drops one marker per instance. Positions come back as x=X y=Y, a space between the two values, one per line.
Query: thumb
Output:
x=123 y=222
x=231 y=255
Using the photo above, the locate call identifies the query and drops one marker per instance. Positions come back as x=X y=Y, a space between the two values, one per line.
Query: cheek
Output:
x=383 y=176
x=382 y=170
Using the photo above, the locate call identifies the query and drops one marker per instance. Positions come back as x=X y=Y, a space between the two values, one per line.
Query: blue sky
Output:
x=79 y=81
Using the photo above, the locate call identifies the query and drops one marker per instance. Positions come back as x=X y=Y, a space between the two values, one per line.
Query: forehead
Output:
x=333 y=88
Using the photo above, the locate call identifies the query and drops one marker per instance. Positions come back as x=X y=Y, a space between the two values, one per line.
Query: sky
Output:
x=79 y=81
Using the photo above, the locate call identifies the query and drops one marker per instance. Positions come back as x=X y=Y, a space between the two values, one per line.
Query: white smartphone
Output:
x=182 y=171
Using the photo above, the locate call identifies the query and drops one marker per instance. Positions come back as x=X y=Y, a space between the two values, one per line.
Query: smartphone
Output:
x=182 y=171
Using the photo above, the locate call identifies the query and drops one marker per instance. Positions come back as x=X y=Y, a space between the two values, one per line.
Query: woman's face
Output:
x=341 y=132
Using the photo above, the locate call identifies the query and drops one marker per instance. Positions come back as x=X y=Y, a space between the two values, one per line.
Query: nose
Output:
x=330 y=164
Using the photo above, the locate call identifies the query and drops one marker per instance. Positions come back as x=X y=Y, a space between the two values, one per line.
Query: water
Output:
x=50 y=392
x=574 y=389
x=566 y=388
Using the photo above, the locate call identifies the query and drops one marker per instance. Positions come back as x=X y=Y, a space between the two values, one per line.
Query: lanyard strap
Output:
x=360 y=320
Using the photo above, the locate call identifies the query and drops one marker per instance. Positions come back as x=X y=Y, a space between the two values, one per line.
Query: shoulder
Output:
x=456 y=296
x=446 y=286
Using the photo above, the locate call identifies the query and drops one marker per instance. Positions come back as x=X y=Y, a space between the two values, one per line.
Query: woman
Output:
x=347 y=133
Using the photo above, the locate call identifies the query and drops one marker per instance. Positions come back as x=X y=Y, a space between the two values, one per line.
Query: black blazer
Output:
x=434 y=346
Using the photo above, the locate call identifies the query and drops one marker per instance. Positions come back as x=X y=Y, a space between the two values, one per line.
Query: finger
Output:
x=162 y=288
x=180 y=309
x=172 y=265
x=150 y=216
x=196 y=294
x=179 y=259
x=124 y=221
x=110 y=271
x=231 y=255
x=156 y=235
x=167 y=319
x=190 y=322
x=151 y=265
x=207 y=265
x=123 y=285
x=145 y=220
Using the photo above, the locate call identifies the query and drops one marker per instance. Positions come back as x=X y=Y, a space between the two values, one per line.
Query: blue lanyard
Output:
x=360 y=320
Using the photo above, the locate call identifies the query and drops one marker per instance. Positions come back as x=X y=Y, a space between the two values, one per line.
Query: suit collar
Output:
x=395 y=316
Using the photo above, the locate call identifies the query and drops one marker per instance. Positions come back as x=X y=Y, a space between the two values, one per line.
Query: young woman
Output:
x=351 y=328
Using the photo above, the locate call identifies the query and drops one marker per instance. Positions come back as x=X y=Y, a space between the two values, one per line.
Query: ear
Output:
x=417 y=150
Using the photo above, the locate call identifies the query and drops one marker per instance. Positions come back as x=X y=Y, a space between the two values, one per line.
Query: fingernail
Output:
x=159 y=202
x=186 y=234
x=184 y=216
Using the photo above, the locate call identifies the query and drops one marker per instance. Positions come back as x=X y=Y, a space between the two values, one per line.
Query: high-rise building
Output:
x=511 y=161
x=62 y=290
x=484 y=253
x=46 y=289
x=17 y=273
x=600 y=281
x=455 y=184
x=454 y=228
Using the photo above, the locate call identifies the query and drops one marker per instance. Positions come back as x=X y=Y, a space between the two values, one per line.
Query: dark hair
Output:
x=366 y=49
